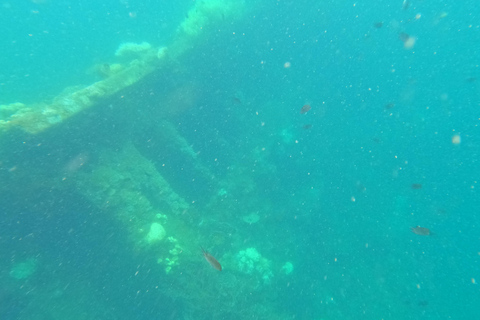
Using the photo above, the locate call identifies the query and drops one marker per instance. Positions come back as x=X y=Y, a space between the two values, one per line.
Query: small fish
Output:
x=404 y=37
x=210 y=259
x=389 y=106
x=416 y=186
x=236 y=100
x=307 y=126
x=305 y=109
x=378 y=25
x=421 y=231
x=361 y=187
x=422 y=303
x=408 y=41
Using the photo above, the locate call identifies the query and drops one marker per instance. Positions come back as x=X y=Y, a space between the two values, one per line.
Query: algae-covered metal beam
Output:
x=39 y=117
x=194 y=29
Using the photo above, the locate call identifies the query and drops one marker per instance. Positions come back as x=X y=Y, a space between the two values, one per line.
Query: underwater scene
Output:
x=239 y=159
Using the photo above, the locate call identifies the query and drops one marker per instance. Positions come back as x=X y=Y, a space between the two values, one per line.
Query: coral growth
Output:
x=156 y=233
x=7 y=110
x=251 y=218
x=206 y=12
x=172 y=258
x=130 y=49
x=24 y=270
x=287 y=268
x=250 y=261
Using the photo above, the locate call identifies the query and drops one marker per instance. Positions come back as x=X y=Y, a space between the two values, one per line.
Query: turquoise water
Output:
x=332 y=189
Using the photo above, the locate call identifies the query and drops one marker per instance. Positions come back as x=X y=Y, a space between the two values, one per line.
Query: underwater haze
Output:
x=303 y=159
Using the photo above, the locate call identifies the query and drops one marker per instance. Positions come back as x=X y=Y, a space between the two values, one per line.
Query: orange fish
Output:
x=213 y=262
x=421 y=231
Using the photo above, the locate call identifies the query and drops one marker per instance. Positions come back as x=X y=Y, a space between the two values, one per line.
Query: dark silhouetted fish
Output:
x=404 y=37
x=305 y=109
x=389 y=106
x=213 y=262
x=421 y=231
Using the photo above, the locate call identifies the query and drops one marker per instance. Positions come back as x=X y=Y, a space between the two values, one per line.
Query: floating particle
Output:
x=456 y=139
